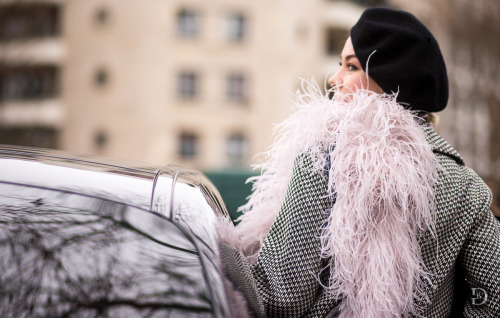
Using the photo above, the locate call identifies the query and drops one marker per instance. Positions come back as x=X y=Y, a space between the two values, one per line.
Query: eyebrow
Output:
x=348 y=57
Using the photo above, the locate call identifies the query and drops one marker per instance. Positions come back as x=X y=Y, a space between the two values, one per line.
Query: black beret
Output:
x=406 y=58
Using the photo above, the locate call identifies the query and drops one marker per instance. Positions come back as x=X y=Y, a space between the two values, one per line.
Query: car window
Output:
x=68 y=255
x=193 y=214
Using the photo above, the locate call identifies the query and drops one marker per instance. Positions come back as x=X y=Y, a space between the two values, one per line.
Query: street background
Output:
x=201 y=83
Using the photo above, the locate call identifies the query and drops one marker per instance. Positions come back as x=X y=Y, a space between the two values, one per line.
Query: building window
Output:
x=187 y=86
x=24 y=21
x=187 y=23
x=36 y=82
x=236 y=27
x=334 y=41
x=236 y=88
x=100 y=139
x=370 y=3
x=102 y=16
x=188 y=145
x=237 y=148
x=43 y=137
x=101 y=77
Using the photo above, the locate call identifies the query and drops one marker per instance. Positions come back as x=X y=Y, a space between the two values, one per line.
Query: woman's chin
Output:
x=342 y=98
x=338 y=97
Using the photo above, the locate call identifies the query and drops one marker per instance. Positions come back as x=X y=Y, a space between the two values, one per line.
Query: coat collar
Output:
x=439 y=145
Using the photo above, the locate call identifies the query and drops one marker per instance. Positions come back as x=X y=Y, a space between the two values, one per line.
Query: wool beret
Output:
x=402 y=56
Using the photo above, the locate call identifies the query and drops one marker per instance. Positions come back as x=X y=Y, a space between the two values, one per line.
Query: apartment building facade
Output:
x=185 y=81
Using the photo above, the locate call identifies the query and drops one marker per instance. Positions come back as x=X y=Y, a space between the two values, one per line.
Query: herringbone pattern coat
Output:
x=466 y=252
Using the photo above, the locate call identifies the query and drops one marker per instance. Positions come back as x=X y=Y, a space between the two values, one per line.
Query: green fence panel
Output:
x=232 y=187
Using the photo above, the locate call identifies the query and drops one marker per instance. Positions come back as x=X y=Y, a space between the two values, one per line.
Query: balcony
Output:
x=29 y=20
x=45 y=51
x=28 y=82
x=32 y=113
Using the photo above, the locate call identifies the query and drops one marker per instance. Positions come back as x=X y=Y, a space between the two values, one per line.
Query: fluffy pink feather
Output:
x=383 y=173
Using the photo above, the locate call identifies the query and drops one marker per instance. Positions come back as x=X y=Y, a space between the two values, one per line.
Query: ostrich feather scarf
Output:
x=382 y=173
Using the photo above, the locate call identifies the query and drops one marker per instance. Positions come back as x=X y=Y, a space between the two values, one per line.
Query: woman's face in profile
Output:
x=351 y=77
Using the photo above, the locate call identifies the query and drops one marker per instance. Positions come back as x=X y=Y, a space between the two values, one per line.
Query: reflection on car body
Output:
x=84 y=238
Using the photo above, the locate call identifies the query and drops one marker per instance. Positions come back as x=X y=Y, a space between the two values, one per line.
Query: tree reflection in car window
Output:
x=66 y=255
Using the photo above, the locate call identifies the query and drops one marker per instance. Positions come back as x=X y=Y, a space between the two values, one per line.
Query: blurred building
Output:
x=32 y=53
x=201 y=83
x=468 y=33
x=194 y=82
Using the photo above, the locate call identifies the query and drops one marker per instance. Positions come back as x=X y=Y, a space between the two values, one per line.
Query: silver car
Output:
x=82 y=237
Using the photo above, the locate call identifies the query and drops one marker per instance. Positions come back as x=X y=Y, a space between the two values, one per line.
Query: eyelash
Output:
x=351 y=67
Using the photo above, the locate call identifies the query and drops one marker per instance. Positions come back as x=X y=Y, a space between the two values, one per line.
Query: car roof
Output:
x=92 y=176
x=124 y=181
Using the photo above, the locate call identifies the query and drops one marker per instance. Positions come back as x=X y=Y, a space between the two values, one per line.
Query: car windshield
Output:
x=68 y=255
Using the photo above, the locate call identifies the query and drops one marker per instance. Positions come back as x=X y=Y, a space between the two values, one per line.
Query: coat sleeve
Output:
x=289 y=263
x=243 y=296
x=480 y=258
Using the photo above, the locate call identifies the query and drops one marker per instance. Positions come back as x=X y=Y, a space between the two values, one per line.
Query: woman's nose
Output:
x=335 y=80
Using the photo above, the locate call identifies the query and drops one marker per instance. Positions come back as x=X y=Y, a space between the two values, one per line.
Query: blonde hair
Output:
x=430 y=118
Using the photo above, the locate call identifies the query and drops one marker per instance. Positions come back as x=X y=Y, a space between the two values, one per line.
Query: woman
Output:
x=362 y=209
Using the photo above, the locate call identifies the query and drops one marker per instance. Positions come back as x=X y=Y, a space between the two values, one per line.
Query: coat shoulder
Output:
x=440 y=146
x=460 y=191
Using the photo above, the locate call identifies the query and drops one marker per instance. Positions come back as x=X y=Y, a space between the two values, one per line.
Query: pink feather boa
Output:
x=383 y=173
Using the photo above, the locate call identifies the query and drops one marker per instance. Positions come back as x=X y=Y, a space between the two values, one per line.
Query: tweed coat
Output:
x=463 y=256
